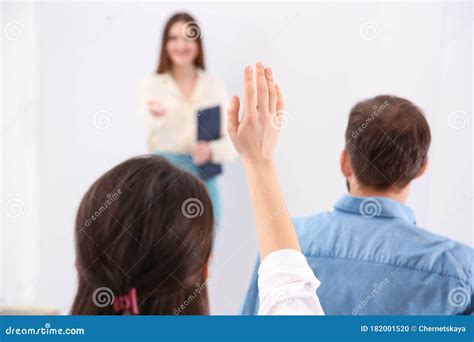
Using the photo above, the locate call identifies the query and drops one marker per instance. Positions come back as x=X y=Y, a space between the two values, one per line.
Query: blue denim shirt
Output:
x=372 y=259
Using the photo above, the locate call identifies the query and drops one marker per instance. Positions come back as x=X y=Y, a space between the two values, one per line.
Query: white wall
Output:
x=91 y=57
x=19 y=266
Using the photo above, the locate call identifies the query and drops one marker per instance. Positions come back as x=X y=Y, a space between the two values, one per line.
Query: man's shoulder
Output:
x=312 y=221
x=438 y=253
x=390 y=242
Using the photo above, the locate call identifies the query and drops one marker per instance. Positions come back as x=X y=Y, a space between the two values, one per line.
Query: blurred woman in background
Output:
x=184 y=107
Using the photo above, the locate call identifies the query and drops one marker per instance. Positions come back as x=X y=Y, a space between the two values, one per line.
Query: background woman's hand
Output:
x=256 y=135
x=156 y=109
x=201 y=152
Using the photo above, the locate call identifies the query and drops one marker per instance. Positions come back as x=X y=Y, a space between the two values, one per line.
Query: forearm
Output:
x=274 y=226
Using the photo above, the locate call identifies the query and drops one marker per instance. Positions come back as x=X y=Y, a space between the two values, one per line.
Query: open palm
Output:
x=256 y=135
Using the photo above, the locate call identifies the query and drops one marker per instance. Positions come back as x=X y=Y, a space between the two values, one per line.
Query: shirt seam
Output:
x=390 y=264
x=384 y=216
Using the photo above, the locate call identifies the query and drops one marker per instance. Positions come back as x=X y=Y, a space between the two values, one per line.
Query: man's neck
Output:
x=399 y=196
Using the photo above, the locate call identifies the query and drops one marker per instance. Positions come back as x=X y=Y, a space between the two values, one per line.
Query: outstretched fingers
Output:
x=280 y=103
x=262 y=90
x=250 y=100
x=272 y=93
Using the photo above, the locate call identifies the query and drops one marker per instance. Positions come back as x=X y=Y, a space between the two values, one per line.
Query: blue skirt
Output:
x=185 y=162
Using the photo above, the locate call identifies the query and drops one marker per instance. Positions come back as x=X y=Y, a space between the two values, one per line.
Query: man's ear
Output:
x=346 y=168
x=423 y=168
x=78 y=268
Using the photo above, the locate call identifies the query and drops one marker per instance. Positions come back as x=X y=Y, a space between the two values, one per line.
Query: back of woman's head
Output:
x=145 y=227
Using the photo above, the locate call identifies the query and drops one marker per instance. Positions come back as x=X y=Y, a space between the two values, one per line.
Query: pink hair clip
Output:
x=127 y=303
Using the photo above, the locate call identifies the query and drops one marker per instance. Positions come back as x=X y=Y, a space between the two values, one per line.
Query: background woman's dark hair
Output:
x=192 y=31
x=145 y=224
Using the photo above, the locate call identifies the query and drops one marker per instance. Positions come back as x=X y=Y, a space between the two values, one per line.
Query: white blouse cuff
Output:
x=285 y=273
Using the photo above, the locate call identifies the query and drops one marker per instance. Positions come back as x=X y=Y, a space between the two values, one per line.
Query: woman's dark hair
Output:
x=191 y=31
x=145 y=224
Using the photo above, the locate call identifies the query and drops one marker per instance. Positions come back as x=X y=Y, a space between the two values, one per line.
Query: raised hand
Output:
x=256 y=135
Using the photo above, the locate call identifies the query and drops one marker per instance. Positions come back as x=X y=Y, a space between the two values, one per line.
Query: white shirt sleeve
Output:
x=287 y=285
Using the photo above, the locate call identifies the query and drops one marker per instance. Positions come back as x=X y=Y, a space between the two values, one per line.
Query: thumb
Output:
x=233 y=116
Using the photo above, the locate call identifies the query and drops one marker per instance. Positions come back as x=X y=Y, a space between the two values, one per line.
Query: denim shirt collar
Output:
x=370 y=207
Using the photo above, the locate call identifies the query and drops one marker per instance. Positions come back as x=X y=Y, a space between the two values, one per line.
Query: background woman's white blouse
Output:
x=176 y=130
x=287 y=285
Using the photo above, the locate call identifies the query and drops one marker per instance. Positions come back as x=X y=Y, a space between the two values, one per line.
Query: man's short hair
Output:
x=387 y=139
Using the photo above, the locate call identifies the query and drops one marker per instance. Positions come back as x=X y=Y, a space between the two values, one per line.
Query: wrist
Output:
x=258 y=166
